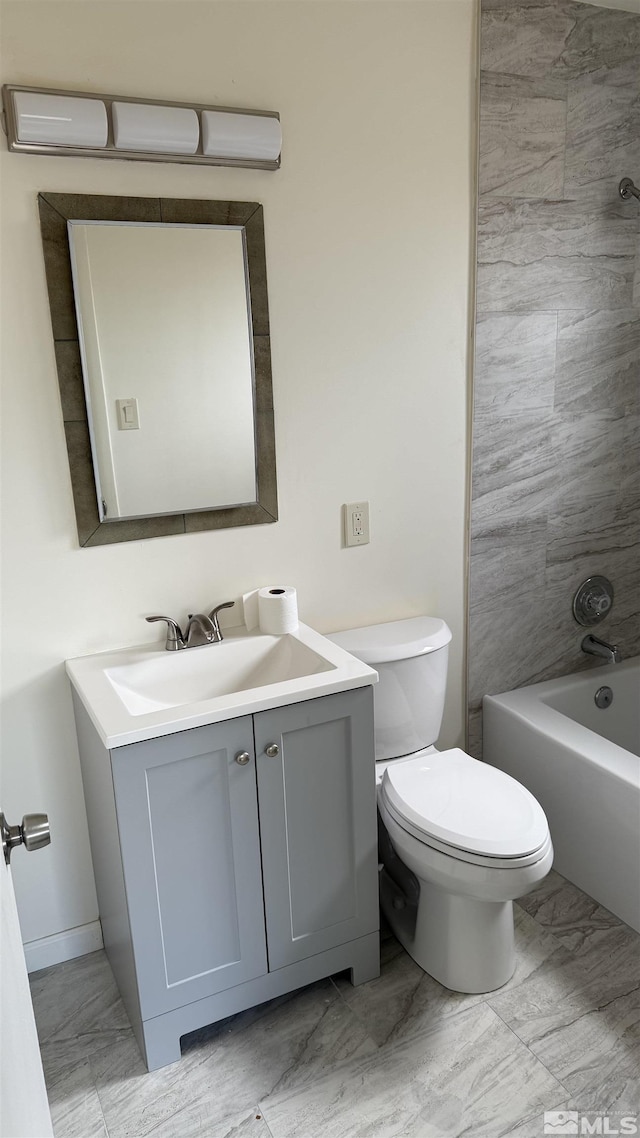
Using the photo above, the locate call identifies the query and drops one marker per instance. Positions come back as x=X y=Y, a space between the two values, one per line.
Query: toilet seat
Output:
x=465 y=855
x=466 y=808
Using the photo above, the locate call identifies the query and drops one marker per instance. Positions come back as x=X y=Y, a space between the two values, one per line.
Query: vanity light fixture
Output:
x=58 y=120
x=43 y=121
x=141 y=126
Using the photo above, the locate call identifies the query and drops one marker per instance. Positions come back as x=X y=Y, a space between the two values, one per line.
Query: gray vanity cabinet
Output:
x=234 y=862
x=188 y=821
x=317 y=796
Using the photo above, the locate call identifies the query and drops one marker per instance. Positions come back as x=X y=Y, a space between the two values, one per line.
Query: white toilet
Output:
x=459 y=840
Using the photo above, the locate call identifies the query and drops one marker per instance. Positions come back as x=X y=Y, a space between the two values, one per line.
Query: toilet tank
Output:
x=410 y=657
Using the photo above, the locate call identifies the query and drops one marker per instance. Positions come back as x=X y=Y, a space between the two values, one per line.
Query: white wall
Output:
x=368 y=253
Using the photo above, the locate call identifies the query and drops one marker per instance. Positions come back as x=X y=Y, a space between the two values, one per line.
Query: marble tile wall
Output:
x=556 y=418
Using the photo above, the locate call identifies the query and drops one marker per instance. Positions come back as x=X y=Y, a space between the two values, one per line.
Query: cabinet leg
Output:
x=366 y=965
x=161 y=1044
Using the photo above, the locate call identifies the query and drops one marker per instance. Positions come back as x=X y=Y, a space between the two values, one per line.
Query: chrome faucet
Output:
x=596 y=647
x=200 y=630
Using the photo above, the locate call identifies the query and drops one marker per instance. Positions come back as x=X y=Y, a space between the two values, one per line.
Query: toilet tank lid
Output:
x=397 y=640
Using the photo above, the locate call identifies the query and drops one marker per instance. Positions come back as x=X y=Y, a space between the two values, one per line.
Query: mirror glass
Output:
x=161 y=329
x=167 y=362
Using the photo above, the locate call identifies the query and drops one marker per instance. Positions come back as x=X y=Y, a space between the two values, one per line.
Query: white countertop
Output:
x=142 y=693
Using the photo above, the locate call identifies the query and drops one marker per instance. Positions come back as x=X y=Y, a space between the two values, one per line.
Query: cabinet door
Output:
x=187 y=816
x=317 y=824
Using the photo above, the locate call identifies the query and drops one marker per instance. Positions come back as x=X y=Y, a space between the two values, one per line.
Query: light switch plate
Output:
x=128 y=417
x=356 y=523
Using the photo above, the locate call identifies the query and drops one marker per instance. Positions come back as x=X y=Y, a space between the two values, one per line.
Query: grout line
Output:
x=356 y=1015
x=265 y=1120
x=104 y=1121
x=531 y=1052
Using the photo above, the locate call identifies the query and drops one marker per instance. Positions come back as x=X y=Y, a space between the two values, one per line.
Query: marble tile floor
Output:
x=399 y=1057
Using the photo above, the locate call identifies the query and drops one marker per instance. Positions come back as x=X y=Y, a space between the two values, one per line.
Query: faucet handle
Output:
x=213 y=616
x=175 y=638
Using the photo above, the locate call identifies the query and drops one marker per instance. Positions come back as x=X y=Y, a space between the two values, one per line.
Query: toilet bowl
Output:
x=459 y=840
x=474 y=840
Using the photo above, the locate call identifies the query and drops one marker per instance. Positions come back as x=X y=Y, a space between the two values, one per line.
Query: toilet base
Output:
x=466 y=945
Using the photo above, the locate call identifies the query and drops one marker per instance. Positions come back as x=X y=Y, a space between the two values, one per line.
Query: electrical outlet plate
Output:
x=356 y=523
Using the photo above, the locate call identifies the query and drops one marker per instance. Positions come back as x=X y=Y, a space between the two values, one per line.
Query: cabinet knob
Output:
x=242 y=758
x=272 y=750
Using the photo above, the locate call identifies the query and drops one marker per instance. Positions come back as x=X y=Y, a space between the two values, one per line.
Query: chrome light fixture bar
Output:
x=38 y=120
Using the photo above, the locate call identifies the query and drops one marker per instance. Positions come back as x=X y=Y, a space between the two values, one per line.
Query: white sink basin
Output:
x=195 y=674
x=141 y=693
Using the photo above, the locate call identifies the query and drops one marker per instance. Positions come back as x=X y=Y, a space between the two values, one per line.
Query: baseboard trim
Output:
x=62 y=946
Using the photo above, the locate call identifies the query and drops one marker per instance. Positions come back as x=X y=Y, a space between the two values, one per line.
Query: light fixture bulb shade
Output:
x=157 y=129
x=227 y=134
x=60 y=120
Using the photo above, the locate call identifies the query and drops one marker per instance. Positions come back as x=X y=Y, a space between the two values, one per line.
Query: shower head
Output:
x=627 y=190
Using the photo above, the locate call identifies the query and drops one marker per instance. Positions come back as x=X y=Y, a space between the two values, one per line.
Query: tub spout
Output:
x=596 y=647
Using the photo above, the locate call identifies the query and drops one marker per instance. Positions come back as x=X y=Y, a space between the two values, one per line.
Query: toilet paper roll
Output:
x=277 y=609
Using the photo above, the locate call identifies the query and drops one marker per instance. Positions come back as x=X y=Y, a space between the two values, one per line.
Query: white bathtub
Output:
x=582 y=765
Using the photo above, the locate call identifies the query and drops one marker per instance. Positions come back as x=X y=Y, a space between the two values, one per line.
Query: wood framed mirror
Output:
x=160 y=322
